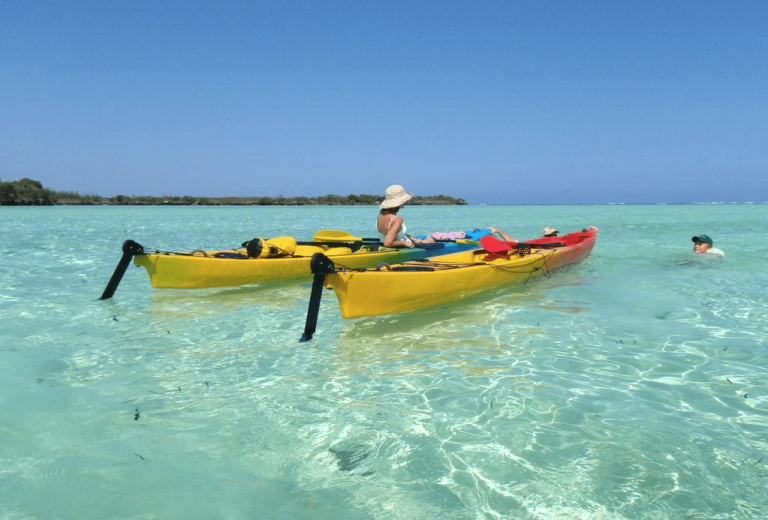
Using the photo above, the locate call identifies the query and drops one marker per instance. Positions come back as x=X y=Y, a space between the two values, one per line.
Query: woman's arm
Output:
x=394 y=229
x=503 y=235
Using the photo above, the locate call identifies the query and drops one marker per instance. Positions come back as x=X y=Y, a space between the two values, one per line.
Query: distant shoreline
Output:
x=29 y=192
x=325 y=200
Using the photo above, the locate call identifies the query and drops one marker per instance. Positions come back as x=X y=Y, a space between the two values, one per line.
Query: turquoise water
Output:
x=631 y=386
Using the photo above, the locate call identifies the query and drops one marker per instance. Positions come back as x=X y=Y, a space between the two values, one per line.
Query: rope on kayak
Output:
x=506 y=269
x=233 y=254
x=545 y=266
x=236 y=254
x=429 y=264
x=342 y=267
x=530 y=272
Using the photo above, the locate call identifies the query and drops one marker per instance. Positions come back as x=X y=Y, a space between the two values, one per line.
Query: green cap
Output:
x=703 y=239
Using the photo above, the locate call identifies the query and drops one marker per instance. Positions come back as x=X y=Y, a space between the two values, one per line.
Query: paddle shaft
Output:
x=334 y=235
x=372 y=242
x=339 y=243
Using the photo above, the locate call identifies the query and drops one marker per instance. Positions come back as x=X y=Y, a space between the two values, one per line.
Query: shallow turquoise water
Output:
x=631 y=386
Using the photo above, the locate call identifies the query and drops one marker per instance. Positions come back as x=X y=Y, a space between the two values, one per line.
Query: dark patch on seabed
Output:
x=347 y=460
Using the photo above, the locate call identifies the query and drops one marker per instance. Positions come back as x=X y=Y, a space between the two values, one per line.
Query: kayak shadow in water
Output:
x=191 y=303
x=479 y=310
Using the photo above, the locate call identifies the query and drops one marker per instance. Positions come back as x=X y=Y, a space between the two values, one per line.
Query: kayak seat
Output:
x=238 y=256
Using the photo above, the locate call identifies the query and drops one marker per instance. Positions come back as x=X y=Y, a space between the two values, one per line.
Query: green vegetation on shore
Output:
x=28 y=192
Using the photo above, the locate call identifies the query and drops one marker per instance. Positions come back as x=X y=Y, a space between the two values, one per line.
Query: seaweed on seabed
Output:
x=347 y=460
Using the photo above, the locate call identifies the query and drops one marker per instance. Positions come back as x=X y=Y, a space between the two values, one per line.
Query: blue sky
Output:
x=493 y=101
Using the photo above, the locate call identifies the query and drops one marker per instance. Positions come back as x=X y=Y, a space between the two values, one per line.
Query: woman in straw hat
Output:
x=390 y=226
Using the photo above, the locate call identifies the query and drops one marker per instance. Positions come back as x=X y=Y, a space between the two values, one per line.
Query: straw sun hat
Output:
x=394 y=197
x=550 y=231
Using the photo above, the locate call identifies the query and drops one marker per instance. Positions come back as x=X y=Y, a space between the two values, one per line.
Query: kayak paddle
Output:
x=334 y=235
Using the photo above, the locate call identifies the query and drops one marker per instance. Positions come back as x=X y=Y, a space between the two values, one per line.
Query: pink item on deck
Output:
x=452 y=235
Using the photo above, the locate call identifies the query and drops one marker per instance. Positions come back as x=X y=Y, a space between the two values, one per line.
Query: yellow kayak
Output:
x=271 y=260
x=233 y=267
x=416 y=284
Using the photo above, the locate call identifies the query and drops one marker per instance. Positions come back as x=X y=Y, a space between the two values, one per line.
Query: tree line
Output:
x=29 y=192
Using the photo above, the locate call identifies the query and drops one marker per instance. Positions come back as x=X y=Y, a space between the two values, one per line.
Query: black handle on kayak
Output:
x=320 y=265
x=130 y=248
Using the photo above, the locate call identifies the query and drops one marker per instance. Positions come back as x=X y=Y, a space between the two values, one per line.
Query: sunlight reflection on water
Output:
x=628 y=386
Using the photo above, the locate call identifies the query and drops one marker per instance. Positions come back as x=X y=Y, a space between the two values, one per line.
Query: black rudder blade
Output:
x=130 y=248
x=320 y=265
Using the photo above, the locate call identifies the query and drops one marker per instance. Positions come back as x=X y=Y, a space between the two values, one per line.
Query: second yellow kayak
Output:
x=413 y=285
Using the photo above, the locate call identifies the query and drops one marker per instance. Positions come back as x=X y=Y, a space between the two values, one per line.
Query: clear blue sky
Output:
x=493 y=101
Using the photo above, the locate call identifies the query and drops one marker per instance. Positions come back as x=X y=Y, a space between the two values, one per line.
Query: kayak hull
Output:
x=454 y=276
x=200 y=269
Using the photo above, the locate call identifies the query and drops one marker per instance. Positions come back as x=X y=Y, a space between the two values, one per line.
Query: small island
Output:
x=29 y=192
